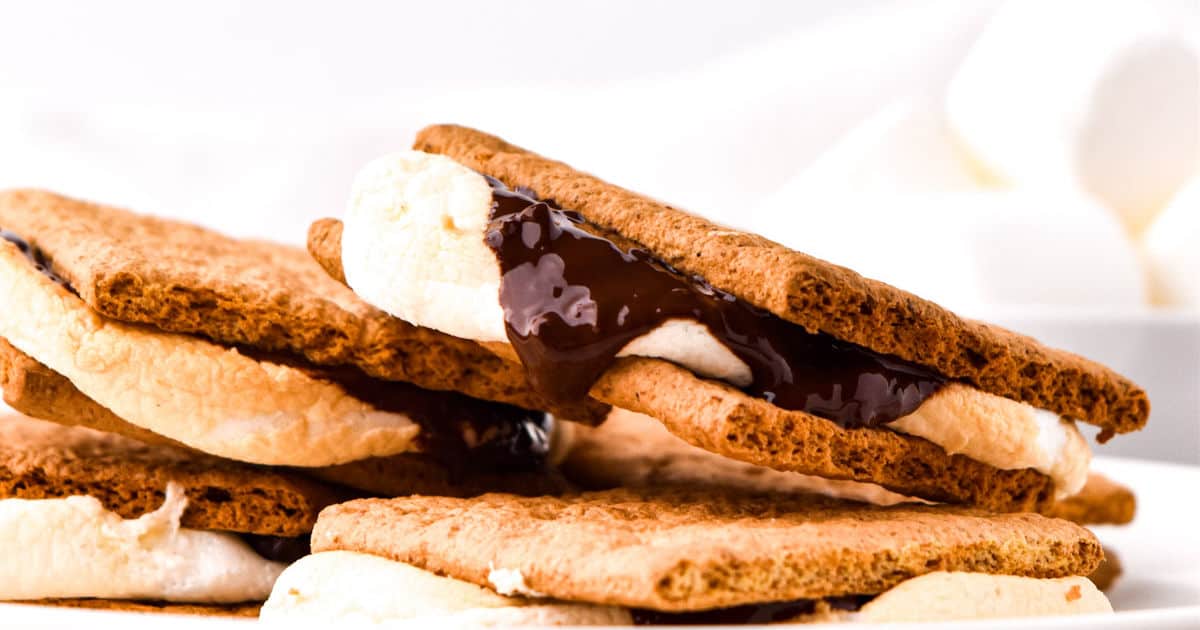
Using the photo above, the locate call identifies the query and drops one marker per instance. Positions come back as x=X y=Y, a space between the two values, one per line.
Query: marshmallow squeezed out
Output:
x=74 y=547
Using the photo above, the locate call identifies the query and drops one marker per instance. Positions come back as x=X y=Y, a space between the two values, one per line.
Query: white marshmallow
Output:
x=74 y=547
x=904 y=147
x=1171 y=249
x=1100 y=94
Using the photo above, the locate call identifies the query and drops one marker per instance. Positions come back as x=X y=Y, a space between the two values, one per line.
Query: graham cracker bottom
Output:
x=247 y=610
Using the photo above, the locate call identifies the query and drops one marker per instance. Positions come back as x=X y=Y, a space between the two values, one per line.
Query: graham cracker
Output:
x=1105 y=575
x=1101 y=502
x=815 y=294
x=724 y=420
x=249 y=609
x=184 y=278
x=633 y=450
x=43 y=460
x=413 y=473
x=678 y=549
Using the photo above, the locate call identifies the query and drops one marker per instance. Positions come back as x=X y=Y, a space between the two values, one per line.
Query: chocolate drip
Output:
x=36 y=257
x=464 y=434
x=573 y=298
x=755 y=613
x=278 y=548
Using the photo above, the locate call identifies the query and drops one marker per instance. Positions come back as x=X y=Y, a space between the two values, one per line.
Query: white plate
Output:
x=1160 y=551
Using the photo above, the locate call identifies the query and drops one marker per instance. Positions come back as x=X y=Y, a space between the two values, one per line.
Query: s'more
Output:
x=177 y=335
x=736 y=344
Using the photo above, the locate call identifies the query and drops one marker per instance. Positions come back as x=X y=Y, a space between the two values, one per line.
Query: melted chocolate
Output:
x=573 y=298
x=752 y=614
x=36 y=257
x=278 y=548
x=464 y=434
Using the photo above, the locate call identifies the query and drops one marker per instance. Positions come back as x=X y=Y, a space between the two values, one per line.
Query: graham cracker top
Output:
x=677 y=549
x=44 y=460
x=815 y=294
x=184 y=278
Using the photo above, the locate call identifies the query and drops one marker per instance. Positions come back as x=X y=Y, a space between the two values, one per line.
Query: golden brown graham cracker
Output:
x=38 y=391
x=414 y=473
x=633 y=450
x=1101 y=502
x=185 y=278
x=724 y=420
x=678 y=549
x=1107 y=573
x=42 y=460
x=816 y=294
x=248 y=610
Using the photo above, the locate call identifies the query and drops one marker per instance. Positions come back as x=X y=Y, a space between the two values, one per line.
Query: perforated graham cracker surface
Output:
x=41 y=460
x=684 y=549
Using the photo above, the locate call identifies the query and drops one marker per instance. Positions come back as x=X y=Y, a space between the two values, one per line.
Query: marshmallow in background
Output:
x=1102 y=95
x=1171 y=248
x=905 y=147
x=969 y=251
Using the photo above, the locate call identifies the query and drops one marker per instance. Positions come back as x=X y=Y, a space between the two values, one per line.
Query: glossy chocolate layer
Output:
x=573 y=298
x=36 y=257
x=277 y=548
x=753 y=614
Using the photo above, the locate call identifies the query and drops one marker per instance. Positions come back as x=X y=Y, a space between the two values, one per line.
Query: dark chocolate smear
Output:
x=278 y=548
x=36 y=257
x=752 y=614
x=466 y=435
x=573 y=298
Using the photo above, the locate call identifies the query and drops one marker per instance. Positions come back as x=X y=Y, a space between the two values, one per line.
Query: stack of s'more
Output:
x=519 y=395
x=188 y=407
x=789 y=442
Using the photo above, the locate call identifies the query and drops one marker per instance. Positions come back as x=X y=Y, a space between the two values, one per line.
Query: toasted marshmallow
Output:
x=1103 y=96
x=1003 y=433
x=73 y=547
x=359 y=589
x=1171 y=248
x=193 y=391
x=413 y=245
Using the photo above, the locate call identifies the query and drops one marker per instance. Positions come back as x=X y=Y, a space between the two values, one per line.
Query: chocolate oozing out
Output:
x=36 y=257
x=573 y=298
x=756 y=613
x=464 y=434
x=277 y=548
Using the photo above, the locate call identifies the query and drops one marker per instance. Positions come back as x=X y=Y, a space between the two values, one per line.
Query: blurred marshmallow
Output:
x=904 y=147
x=1102 y=94
x=968 y=251
x=1171 y=247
